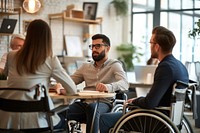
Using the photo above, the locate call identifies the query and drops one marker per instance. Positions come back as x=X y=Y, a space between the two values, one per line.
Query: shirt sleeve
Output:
x=121 y=82
x=77 y=76
x=61 y=76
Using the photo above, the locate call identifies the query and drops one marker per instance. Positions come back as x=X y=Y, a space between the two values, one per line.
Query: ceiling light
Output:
x=31 y=6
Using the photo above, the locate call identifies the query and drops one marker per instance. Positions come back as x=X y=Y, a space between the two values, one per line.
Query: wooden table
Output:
x=85 y=95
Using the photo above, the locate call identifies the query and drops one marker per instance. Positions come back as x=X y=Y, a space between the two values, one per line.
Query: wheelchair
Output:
x=162 y=119
x=117 y=106
x=38 y=104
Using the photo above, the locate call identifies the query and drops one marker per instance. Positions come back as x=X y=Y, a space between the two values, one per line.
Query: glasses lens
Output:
x=97 y=46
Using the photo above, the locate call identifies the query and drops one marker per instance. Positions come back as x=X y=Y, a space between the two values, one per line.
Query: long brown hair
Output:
x=37 y=47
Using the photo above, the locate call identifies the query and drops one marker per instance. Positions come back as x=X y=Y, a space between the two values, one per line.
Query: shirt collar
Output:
x=105 y=63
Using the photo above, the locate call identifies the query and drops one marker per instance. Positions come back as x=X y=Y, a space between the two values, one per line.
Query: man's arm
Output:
x=162 y=84
x=121 y=81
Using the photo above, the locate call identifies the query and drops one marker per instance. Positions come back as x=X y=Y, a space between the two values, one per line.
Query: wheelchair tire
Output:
x=117 y=108
x=186 y=126
x=142 y=121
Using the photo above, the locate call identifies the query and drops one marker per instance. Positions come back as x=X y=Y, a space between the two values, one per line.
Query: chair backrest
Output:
x=35 y=105
x=178 y=101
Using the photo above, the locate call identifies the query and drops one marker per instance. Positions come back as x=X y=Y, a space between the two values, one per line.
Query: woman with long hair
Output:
x=34 y=63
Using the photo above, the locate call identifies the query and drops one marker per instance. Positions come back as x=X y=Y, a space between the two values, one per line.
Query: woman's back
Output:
x=25 y=69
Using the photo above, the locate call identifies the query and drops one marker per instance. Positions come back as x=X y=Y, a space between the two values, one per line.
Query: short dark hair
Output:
x=165 y=38
x=105 y=39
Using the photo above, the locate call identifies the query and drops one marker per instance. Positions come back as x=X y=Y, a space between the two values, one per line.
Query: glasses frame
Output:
x=96 y=46
x=153 y=43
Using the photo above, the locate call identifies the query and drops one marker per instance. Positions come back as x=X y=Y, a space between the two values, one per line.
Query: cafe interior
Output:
x=129 y=28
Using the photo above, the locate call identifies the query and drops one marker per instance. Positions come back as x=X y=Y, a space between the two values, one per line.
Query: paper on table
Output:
x=88 y=91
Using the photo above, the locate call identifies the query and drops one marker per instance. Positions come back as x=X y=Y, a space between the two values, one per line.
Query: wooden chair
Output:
x=35 y=105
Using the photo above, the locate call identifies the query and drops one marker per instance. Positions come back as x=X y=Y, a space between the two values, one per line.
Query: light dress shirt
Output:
x=51 y=68
x=111 y=73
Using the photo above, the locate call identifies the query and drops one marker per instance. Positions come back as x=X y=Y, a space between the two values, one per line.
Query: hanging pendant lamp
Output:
x=31 y=6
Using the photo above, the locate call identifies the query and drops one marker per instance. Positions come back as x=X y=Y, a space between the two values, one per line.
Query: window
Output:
x=179 y=18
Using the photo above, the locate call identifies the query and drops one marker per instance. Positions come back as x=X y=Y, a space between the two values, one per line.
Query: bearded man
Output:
x=101 y=74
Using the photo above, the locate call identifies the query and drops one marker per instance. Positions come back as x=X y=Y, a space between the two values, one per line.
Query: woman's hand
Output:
x=59 y=89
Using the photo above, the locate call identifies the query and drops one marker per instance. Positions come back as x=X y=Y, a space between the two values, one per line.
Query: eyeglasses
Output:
x=96 y=46
x=152 y=42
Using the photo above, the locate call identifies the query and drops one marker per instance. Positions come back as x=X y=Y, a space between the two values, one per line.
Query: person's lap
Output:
x=108 y=120
x=83 y=112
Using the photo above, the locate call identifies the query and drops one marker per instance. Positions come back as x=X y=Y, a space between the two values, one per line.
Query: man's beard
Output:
x=154 y=55
x=98 y=57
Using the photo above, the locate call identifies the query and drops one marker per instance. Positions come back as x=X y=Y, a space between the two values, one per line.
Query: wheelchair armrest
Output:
x=163 y=108
x=129 y=106
x=182 y=84
x=59 y=109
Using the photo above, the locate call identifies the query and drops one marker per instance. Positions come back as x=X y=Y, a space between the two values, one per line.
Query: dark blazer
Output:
x=169 y=70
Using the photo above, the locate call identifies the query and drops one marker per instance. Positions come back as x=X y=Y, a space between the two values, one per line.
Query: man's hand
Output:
x=101 y=87
x=130 y=100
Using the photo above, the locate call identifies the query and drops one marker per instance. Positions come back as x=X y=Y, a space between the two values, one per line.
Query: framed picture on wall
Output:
x=90 y=10
x=25 y=25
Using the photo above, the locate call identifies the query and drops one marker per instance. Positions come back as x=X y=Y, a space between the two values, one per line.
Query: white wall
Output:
x=116 y=28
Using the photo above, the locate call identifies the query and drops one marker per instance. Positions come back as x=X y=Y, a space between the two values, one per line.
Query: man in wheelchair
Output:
x=169 y=70
x=102 y=74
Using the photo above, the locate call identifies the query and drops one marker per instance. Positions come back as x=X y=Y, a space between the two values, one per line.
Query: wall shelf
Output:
x=5 y=34
x=15 y=12
x=80 y=20
x=63 y=17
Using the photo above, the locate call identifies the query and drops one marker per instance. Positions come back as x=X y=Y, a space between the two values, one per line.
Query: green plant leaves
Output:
x=127 y=53
x=121 y=7
x=196 y=31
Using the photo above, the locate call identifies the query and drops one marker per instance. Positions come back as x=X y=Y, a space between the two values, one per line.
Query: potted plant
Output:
x=121 y=7
x=196 y=31
x=127 y=53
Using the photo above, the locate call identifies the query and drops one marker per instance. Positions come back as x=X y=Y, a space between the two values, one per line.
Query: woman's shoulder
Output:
x=52 y=58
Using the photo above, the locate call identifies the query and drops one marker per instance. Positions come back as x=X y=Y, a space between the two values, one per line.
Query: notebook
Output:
x=144 y=73
x=8 y=26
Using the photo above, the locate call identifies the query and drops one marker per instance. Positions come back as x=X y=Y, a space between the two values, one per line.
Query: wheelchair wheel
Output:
x=117 y=108
x=186 y=126
x=143 y=121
